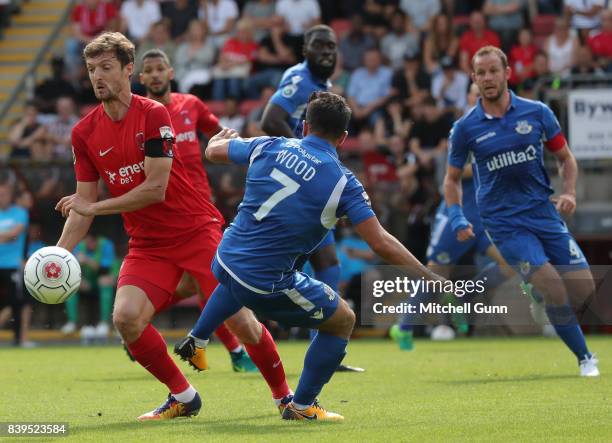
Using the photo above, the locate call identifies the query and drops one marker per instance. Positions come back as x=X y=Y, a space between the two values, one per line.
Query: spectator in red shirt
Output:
x=601 y=42
x=477 y=36
x=235 y=61
x=522 y=56
x=88 y=19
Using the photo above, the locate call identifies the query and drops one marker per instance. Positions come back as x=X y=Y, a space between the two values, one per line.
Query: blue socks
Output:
x=322 y=358
x=563 y=319
x=219 y=307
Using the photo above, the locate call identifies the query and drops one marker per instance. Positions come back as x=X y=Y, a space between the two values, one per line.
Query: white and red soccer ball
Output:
x=52 y=274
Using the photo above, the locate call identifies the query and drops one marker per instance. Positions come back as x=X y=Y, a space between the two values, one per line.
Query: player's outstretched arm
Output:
x=76 y=225
x=452 y=194
x=390 y=249
x=217 y=150
x=274 y=121
x=568 y=170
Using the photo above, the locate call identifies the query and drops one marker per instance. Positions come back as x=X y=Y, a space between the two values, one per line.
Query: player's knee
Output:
x=245 y=327
x=127 y=320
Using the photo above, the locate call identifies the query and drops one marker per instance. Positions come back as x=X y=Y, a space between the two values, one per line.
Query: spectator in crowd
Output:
x=137 y=17
x=521 y=58
x=88 y=19
x=395 y=121
x=561 y=47
x=477 y=36
x=377 y=16
x=369 y=88
x=6 y=10
x=601 y=42
x=194 y=58
x=253 y=120
x=59 y=130
x=412 y=83
x=58 y=85
x=298 y=15
x=584 y=15
x=231 y=116
x=220 y=17
x=354 y=44
x=541 y=73
x=355 y=256
x=26 y=134
x=340 y=77
x=235 y=62
x=429 y=139
x=506 y=18
x=402 y=38
x=159 y=37
x=13 y=300
x=440 y=42
x=584 y=63
x=464 y=7
x=420 y=12
x=274 y=56
x=180 y=13
x=472 y=98
x=262 y=14
x=96 y=254
x=449 y=88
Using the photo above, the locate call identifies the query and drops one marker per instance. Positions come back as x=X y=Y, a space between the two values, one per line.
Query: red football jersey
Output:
x=115 y=151
x=189 y=114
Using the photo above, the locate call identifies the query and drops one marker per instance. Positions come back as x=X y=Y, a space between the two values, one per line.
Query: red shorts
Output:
x=162 y=267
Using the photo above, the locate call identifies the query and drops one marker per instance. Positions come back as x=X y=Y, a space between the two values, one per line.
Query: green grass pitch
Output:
x=503 y=389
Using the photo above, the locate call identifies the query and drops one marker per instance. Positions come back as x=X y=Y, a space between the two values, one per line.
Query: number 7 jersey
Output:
x=295 y=192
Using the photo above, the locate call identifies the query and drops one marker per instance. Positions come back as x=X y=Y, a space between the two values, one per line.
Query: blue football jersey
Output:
x=295 y=192
x=293 y=91
x=508 y=164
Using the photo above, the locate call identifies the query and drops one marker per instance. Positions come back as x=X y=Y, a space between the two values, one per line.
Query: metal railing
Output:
x=28 y=81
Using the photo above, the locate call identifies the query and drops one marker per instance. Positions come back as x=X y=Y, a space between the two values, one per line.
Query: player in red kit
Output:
x=189 y=115
x=128 y=141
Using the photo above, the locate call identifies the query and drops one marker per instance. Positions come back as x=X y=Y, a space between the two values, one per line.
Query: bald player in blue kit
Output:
x=506 y=135
x=296 y=189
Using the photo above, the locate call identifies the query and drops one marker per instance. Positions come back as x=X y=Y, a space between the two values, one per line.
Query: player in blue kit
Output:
x=284 y=115
x=506 y=135
x=295 y=192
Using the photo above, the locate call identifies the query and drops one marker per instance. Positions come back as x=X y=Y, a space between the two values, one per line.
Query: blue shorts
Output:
x=534 y=238
x=444 y=248
x=305 y=302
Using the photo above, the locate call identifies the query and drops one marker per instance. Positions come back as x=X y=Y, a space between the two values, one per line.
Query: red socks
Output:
x=266 y=358
x=224 y=335
x=151 y=352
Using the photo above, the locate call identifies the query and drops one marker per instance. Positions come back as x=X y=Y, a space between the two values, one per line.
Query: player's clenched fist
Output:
x=465 y=234
x=76 y=203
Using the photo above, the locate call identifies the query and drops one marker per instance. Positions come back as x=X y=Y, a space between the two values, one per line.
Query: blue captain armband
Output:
x=457 y=219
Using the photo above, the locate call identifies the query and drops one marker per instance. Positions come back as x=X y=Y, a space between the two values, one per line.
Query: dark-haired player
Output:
x=128 y=141
x=296 y=189
x=189 y=115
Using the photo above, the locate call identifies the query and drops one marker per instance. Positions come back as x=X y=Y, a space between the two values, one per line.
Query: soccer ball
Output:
x=52 y=275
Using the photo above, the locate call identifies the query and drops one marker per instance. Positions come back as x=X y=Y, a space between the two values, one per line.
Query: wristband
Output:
x=457 y=219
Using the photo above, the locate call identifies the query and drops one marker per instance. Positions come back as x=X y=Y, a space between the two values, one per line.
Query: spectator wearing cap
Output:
x=402 y=38
x=369 y=88
x=439 y=42
x=601 y=42
x=411 y=83
x=477 y=36
x=355 y=43
x=449 y=87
